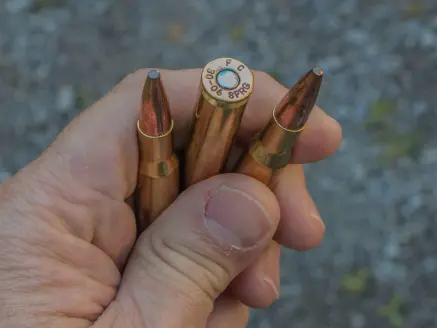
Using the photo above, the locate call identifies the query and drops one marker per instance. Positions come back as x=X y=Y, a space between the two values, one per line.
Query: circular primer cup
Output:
x=227 y=82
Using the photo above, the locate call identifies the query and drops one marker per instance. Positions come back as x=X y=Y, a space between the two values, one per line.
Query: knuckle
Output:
x=134 y=79
x=244 y=315
x=262 y=75
x=186 y=262
x=139 y=73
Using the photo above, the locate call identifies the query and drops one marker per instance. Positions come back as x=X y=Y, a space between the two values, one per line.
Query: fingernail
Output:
x=236 y=218
x=319 y=221
x=272 y=285
x=271 y=274
x=332 y=122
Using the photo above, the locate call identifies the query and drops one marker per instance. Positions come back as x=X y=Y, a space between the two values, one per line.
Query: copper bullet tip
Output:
x=295 y=107
x=155 y=118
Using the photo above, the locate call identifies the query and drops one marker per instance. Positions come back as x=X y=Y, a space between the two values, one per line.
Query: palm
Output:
x=82 y=231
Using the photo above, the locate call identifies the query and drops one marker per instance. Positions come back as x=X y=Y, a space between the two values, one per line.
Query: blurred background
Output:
x=378 y=194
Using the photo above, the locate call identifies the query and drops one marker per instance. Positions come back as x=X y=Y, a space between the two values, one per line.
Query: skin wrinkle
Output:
x=145 y=265
x=34 y=247
x=140 y=314
x=76 y=210
x=112 y=317
x=31 y=285
x=49 y=199
x=229 y=310
x=74 y=310
x=47 y=304
x=214 y=272
x=113 y=171
x=66 y=210
x=78 y=170
x=13 y=202
x=108 y=221
x=162 y=252
x=75 y=206
x=83 y=174
x=38 y=244
x=149 y=266
x=93 y=310
x=118 y=146
x=29 y=243
x=87 y=321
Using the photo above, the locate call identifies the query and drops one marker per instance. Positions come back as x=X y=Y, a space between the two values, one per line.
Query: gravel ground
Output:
x=377 y=195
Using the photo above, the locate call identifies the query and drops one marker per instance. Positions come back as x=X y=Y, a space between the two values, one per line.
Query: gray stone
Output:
x=377 y=200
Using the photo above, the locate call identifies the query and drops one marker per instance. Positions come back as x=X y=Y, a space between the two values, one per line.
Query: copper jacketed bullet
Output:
x=225 y=87
x=158 y=172
x=272 y=148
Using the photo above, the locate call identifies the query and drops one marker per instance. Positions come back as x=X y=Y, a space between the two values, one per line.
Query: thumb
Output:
x=187 y=258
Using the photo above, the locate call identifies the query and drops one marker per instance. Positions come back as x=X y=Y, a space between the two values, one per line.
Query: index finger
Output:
x=105 y=139
x=320 y=139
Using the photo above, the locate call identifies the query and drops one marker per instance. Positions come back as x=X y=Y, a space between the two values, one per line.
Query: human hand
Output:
x=66 y=232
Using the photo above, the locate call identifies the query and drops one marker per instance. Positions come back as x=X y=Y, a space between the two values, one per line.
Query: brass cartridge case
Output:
x=272 y=149
x=158 y=176
x=226 y=85
x=158 y=169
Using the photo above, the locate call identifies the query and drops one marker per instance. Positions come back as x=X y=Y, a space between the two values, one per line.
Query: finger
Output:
x=301 y=227
x=258 y=286
x=99 y=150
x=189 y=256
x=320 y=139
x=105 y=144
x=228 y=313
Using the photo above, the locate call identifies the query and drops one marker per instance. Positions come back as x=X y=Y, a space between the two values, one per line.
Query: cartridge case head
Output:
x=226 y=82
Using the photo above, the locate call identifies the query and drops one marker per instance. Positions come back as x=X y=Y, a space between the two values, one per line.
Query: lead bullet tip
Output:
x=155 y=118
x=296 y=106
x=318 y=71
